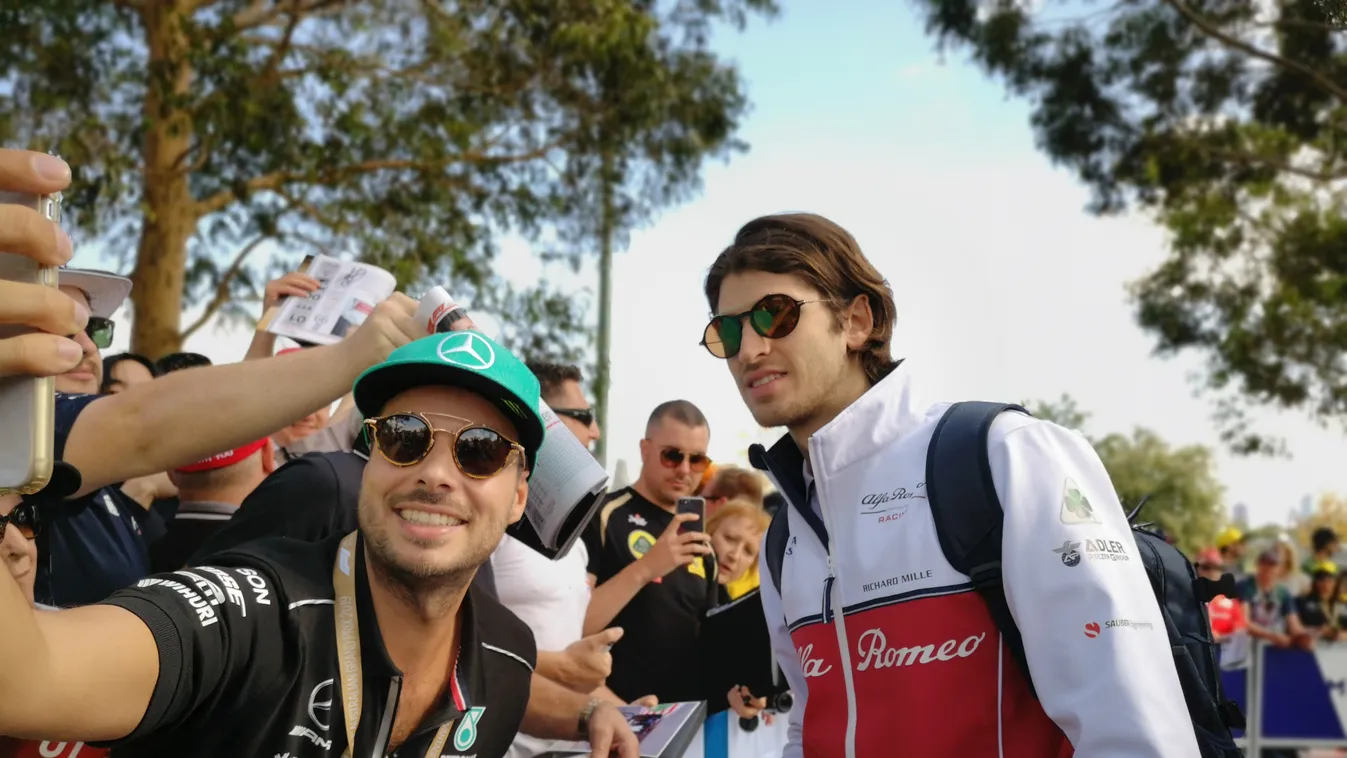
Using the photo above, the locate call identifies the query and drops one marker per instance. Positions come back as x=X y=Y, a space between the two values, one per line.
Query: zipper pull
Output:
x=828 y=599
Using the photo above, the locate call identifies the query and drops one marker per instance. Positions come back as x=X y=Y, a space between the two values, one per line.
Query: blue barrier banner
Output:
x=1235 y=685
x=1304 y=693
x=716 y=735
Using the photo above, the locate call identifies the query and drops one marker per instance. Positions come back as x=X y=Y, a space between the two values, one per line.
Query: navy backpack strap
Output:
x=967 y=512
x=778 y=533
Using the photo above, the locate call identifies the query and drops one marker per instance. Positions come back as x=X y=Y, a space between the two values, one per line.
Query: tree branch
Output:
x=222 y=287
x=258 y=14
x=275 y=180
x=1210 y=29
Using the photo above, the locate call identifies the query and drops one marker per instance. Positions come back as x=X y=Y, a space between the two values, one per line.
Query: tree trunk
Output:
x=601 y=377
x=169 y=212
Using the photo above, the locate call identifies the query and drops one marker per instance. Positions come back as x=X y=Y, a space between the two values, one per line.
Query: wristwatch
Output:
x=585 y=713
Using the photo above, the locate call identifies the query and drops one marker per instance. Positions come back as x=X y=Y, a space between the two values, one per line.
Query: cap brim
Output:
x=380 y=385
x=106 y=292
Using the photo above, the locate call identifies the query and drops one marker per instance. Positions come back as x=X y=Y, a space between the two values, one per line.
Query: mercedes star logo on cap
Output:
x=468 y=350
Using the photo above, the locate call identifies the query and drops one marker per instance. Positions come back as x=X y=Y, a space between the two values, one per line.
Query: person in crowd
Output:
x=43 y=349
x=179 y=361
x=1324 y=544
x=209 y=492
x=1232 y=543
x=179 y=654
x=1318 y=609
x=804 y=323
x=732 y=483
x=551 y=596
x=736 y=529
x=1289 y=574
x=652 y=579
x=19 y=526
x=124 y=370
x=1268 y=604
x=1228 y=627
x=565 y=394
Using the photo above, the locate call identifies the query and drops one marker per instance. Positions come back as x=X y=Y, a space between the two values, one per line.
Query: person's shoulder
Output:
x=68 y=408
x=302 y=568
x=502 y=631
x=618 y=498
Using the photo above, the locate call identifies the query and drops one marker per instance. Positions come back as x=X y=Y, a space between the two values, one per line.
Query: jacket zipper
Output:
x=832 y=604
x=386 y=723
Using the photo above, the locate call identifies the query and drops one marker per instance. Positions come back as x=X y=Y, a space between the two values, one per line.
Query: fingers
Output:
x=38 y=354
x=41 y=307
x=600 y=741
x=24 y=231
x=678 y=520
x=608 y=636
x=33 y=173
x=627 y=744
x=649 y=701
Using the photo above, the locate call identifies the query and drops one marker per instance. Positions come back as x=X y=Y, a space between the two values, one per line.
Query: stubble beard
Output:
x=421 y=584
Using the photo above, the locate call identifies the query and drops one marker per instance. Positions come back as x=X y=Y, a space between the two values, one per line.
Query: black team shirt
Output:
x=248 y=663
x=658 y=653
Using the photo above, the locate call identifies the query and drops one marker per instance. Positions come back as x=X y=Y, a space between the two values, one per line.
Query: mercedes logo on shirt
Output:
x=468 y=350
x=320 y=701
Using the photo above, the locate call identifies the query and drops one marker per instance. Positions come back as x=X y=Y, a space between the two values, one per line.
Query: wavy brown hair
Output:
x=826 y=257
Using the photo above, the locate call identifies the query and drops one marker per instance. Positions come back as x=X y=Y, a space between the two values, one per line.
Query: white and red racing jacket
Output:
x=891 y=652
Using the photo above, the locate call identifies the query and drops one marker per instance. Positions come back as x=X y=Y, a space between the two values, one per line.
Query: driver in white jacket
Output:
x=888 y=649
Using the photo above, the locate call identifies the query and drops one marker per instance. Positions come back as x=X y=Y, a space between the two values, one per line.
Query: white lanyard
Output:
x=348 y=649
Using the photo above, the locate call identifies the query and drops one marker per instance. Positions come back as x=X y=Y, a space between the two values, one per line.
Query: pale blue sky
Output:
x=1006 y=289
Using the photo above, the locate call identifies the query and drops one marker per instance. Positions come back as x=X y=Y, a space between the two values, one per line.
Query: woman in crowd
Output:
x=736 y=530
x=1319 y=608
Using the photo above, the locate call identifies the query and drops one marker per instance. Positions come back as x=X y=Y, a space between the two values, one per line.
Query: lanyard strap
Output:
x=348 y=649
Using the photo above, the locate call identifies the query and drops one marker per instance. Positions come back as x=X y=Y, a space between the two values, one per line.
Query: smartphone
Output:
x=27 y=405
x=695 y=506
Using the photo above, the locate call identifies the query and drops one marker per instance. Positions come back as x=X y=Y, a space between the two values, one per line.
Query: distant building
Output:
x=1239 y=514
x=1306 y=506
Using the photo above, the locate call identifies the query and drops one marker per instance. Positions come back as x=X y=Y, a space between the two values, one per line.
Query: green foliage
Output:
x=410 y=134
x=1225 y=120
x=1179 y=485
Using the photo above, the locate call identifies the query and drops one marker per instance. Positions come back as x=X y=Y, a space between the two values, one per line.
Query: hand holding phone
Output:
x=695 y=506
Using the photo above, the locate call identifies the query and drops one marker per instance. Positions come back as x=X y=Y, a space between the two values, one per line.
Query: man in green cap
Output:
x=368 y=644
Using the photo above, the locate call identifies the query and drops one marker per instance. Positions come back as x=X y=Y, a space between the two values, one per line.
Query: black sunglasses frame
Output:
x=23 y=514
x=791 y=304
x=583 y=415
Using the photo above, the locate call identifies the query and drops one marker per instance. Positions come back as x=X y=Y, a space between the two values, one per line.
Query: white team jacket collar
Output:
x=876 y=420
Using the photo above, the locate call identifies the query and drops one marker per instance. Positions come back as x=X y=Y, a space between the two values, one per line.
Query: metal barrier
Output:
x=1293 y=699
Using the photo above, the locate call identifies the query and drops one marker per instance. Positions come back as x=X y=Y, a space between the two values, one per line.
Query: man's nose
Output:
x=752 y=346
x=82 y=339
x=438 y=469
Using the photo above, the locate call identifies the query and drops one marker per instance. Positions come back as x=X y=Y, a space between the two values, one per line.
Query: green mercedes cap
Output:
x=467 y=359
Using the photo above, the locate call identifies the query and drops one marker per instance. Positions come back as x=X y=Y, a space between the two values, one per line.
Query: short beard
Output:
x=431 y=590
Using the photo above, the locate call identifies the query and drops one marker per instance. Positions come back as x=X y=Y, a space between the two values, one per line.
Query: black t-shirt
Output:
x=248 y=662
x=91 y=546
x=1313 y=612
x=658 y=653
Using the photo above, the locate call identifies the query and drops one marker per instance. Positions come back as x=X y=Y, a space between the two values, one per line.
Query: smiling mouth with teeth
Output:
x=428 y=519
x=764 y=380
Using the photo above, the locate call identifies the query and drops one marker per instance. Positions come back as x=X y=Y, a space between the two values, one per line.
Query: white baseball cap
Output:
x=106 y=292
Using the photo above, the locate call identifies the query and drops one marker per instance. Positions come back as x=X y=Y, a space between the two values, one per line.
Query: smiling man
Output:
x=381 y=623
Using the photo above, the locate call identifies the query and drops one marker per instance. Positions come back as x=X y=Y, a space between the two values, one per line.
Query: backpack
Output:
x=968 y=520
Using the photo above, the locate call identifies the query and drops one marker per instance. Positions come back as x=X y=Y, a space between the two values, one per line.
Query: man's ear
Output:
x=859 y=322
x=521 y=497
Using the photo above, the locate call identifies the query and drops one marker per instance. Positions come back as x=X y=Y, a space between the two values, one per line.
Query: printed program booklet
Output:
x=347 y=294
x=664 y=731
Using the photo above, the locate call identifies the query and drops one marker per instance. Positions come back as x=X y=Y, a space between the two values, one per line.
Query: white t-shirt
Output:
x=550 y=596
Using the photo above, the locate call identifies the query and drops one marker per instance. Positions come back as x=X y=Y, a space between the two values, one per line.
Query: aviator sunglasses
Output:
x=672 y=457
x=405 y=439
x=23 y=518
x=773 y=317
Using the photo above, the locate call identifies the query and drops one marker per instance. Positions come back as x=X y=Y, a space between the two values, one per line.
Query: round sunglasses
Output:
x=773 y=317
x=405 y=439
x=24 y=518
x=100 y=331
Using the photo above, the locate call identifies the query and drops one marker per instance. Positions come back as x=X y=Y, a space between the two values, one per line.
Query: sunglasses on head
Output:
x=100 y=331
x=23 y=518
x=773 y=317
x=672 y=457
x=583 y=415
x=405 y=439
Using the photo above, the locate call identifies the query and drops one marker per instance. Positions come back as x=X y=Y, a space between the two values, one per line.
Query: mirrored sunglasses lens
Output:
x=774 y=316
x=100 y=331
x=722 y=336
x=671 y=458
x=402 y=438
x=481 y=452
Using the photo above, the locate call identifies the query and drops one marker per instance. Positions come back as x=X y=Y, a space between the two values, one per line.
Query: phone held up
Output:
x=695 y=506
x=27 y=404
